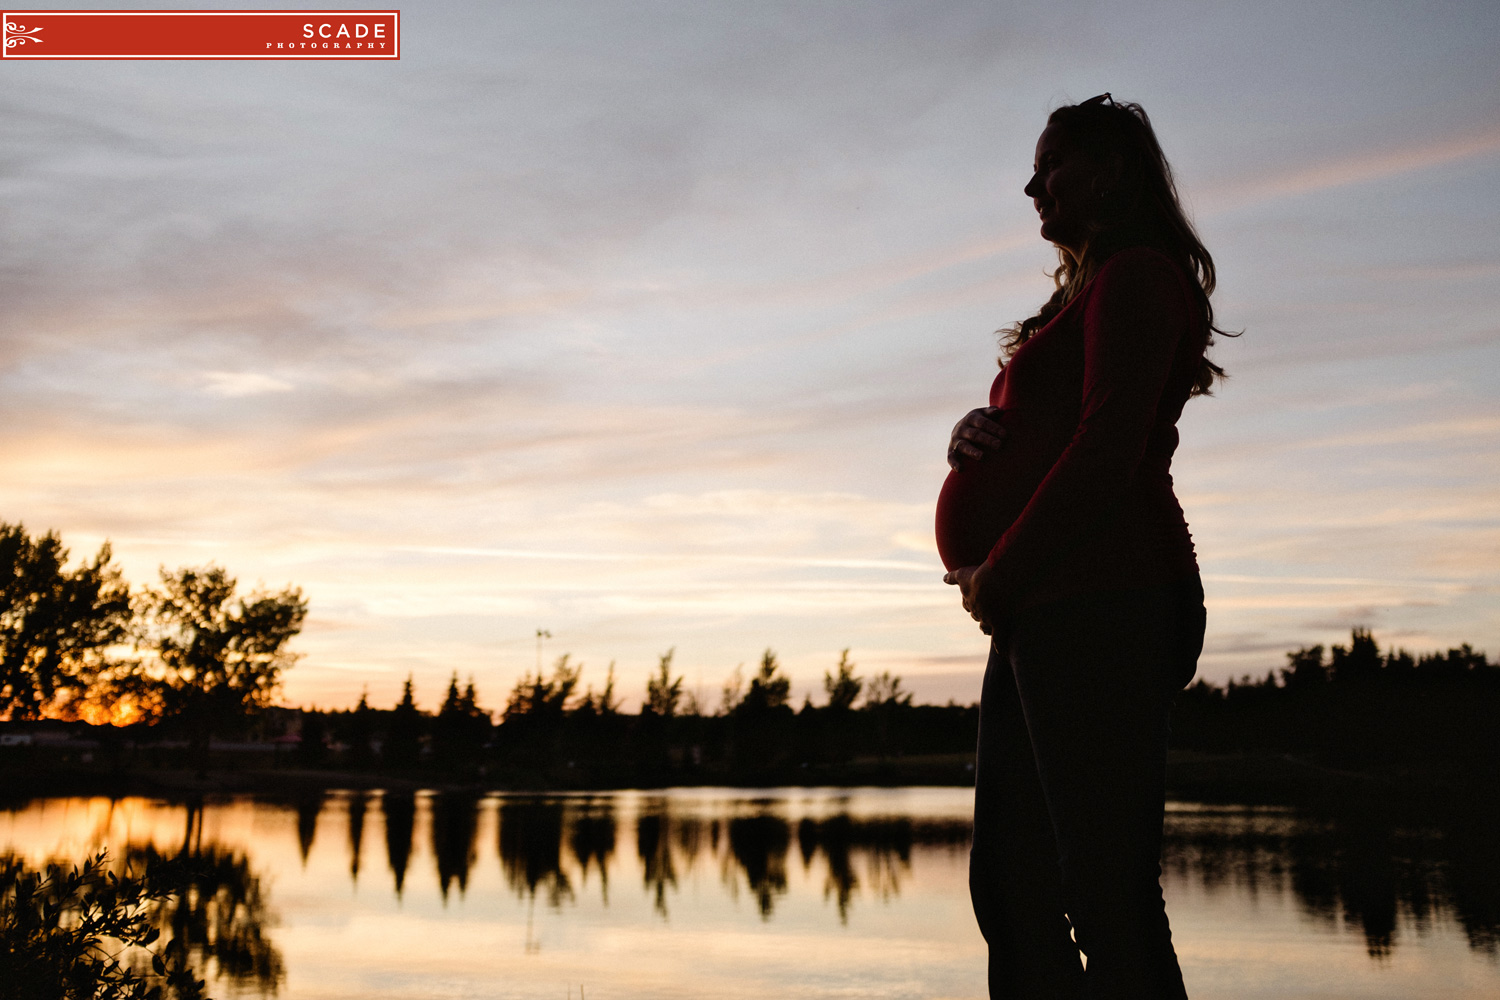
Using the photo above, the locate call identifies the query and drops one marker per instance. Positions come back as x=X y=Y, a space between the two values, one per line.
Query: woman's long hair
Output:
x=1142 y=211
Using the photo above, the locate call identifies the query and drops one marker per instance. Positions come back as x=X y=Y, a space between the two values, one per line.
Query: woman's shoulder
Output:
x=1141 y=270
x=1142 y=262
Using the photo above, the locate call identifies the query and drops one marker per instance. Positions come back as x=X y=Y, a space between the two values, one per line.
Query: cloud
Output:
x=1361 y=168
x=235 y=384
x=648 y=325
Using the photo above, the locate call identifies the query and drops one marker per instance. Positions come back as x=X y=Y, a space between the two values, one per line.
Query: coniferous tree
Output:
x=360 y=731
x=403 y=746
x=313 y=748
x=461 y=726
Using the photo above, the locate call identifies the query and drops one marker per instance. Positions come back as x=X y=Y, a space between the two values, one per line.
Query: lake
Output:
x=736 y=893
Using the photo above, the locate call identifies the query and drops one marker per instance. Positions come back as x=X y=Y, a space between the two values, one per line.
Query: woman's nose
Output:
x=1033 y=187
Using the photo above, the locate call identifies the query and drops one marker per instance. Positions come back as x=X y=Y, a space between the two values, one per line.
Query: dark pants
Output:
x=1069 y=795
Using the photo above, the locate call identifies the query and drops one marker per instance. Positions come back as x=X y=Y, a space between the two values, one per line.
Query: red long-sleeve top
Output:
x=1078 y=498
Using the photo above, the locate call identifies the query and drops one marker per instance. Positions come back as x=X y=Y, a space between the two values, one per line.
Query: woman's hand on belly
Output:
x=975 y=434
x=979 y=592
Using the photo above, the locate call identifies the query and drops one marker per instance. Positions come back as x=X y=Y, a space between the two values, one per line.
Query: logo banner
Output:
x=185 y=34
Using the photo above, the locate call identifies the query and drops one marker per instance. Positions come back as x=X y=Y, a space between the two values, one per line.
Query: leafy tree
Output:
x=1456 y=663
x=1304 y=669
x=843 y=689
x=218 y=656
x=693 y=706
x=56 y=625
x=1359 y=662
x=63 y=934
x=606 y=702
x=1400 y=663
x=733 y=691
x=886 y=702
x=885 y=689
x=768 y=688
x=539 y=696
x=663 y=691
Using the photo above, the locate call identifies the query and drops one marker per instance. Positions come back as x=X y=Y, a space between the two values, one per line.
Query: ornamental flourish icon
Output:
x=18 y=34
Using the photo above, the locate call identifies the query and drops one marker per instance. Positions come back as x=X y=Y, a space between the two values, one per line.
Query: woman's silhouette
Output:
x=1060 y=528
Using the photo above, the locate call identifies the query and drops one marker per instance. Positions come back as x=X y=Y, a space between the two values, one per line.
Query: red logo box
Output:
x=185 y=34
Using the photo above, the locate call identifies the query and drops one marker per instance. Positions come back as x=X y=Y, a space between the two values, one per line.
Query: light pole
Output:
x=541 y=634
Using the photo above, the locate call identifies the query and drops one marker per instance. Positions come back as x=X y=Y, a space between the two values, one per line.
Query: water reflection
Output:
x=206 y=903
x=215 y=912
x=593 y=840
x=1364 y=875
x=706 y=862
x=1368 y=874
x=455 y=822
x=759 y=844
x=531 y=841
x=356 y=832
x=653 y=844
x=400 y=812
x=309 y=806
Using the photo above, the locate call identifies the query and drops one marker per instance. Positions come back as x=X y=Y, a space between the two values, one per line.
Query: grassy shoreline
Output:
x=1238 y=778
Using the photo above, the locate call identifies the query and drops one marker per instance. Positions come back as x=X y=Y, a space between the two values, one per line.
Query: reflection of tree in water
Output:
x=886 y=844
x=308 y=806
x=1473 y=882
x=204 y=905
x=356 y=832
x=208 y=907
x=1364 y=872
x=833 y=836
x=653 y=841
x=531 y=837
x=690 y=834
x=216 y=913
x=759 y=843
x=455 y=820
x=400 y=810
x=593 y=840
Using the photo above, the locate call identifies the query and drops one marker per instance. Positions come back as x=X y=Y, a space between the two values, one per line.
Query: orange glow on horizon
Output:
x=124 y=711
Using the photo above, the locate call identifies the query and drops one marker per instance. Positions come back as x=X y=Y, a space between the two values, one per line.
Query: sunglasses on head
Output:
x=1103 y=98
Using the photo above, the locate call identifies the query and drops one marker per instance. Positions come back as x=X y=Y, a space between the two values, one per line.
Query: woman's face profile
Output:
x=1064 y=189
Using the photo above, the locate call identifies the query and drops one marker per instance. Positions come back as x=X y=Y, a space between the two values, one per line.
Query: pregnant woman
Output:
x=1060 y=528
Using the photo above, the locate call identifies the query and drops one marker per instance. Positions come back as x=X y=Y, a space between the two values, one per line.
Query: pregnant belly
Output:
x=982 y=499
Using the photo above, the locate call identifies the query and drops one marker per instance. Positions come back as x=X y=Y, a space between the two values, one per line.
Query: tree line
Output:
x=1355 y=706
x=554 y=731
x=81 y=643
x=1349 y=706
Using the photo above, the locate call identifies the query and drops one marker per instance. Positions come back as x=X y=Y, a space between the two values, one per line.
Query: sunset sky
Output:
x=646 y=324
